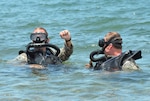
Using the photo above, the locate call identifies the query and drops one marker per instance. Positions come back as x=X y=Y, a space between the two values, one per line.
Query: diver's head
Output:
x=39 y=35
x=110 y=43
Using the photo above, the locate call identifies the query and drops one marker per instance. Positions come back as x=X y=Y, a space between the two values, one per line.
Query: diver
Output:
x=39 y=53
x=112 y=58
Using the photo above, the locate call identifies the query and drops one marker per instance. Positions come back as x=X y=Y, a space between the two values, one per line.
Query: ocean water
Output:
x=88 y=21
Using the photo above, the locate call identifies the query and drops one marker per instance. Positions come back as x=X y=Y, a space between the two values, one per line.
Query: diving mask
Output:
x=116 y=41
x=38 y=37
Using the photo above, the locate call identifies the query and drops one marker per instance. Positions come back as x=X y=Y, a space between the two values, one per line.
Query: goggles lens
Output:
x=38 y=37
x=101 y=42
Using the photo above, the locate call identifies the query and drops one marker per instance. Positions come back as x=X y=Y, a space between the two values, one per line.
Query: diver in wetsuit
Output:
x=113 y=58
x=41 y=52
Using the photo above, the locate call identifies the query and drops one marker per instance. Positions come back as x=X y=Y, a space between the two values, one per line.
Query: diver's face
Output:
x=41 y=31
x=107 y=49
x=39 y=36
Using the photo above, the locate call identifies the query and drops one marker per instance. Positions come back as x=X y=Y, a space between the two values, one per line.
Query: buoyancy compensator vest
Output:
x=35 y=56
x=113 y=63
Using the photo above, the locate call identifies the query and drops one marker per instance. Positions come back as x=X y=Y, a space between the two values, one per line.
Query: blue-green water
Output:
x=88 y=21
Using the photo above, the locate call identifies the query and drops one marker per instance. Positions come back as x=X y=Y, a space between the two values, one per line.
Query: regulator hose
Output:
x=97 y=52
x=32 y=45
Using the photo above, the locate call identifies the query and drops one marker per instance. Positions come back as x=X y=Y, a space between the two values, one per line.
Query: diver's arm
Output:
x=89 y=65
x=68 y=43
x=130 y=65
x=66 y=51
x=37 y=66
x=22 y=58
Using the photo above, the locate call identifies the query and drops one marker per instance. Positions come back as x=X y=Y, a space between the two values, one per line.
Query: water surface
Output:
x=88 y=21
